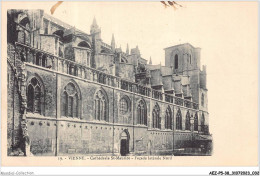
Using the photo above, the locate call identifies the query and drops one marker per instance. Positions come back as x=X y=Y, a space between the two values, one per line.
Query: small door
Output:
x=123 y=147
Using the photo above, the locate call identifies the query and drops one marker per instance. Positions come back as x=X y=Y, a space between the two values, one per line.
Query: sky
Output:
x=226 y=32
x=150 y=25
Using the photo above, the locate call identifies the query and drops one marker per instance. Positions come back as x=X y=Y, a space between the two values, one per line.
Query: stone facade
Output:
x=69 y=92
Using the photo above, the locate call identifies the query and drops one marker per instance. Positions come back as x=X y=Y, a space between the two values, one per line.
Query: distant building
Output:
x=69 y=92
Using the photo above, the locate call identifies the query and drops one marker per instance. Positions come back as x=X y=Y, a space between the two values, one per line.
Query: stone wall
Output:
x=125 y=71
x=15 y=135
x=87 y=135
x=48 y=43
x=104 y=63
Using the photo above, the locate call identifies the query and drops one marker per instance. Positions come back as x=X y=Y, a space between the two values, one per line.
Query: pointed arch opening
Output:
x=124 y=105
x=179 y=120
x=124 y=142
x=71 y=101
x=35 y=95
x=25 y=22
x=101 y=106
x=187 y=121
x=202 y=119
x=168 y=118
x=176 y=61
x=156 y=117
x=142 y=113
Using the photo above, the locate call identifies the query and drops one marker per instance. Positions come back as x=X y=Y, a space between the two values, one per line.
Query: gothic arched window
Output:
x=176 y=61
x=178 y=120
x=168 y=119
x=196 y=122
x=187 y=121
x=70 y=101
x=141 y=113
x=101 y=106
x=156 y=117
x=35 y=94
x=124 y=105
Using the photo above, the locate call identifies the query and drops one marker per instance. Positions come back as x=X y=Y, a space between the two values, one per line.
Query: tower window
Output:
x=202 y=99
x=202 y=122
x=176 y=60
x=101 y=106
x=156 y=117
x=141 y=113
x=168 y=119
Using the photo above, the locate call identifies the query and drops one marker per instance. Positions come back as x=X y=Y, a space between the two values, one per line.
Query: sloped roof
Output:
x=63 y=24
x=156 y=78
x=181 y=45
x=57 y=21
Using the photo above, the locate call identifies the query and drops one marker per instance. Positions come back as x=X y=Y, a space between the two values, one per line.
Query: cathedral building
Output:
x=69 y=92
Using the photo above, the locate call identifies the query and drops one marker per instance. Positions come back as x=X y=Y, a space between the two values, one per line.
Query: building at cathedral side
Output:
x=69 y=92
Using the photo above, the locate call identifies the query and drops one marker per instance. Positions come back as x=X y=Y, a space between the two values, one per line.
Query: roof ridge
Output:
x=59 y=22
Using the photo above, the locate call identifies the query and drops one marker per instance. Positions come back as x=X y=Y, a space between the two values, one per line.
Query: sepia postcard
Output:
x=162 y=83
